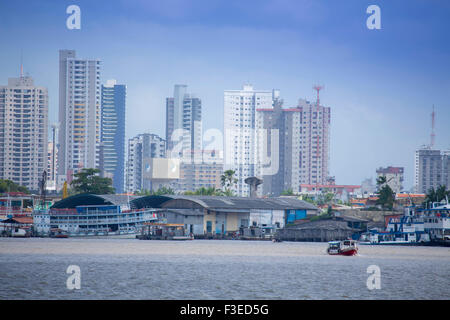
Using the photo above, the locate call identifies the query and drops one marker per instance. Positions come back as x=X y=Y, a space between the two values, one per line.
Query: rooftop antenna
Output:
x=433 y=135
x=21 y=63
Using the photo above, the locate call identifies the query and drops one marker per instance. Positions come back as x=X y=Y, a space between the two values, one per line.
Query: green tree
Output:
x=386 y=197
x=381 y=180
x=159 y=192
x=211 y=191
x=325 y=198
x=437 y=195
x=10 y=186
x=308 y=199
x=163 y=190
x=143 y=192
x=228 y=180
x=287 y=192
x=89 y=181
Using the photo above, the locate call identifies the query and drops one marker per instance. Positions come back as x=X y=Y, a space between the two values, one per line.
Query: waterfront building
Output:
x=88 y=214
x=394 y=177
x=183 y=124
x=432 y=169
x=141 y=149
x=243 y=149
x=79 y=113
x=113 y=133
x=23 y=131
x=224 y=216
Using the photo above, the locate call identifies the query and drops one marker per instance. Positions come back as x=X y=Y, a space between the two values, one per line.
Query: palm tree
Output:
x=437 y=195
x=228 y=180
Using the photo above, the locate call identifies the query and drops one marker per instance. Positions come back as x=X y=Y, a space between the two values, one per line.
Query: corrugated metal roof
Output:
x=93 y=199
x=212 y=202
x=170 y=201
x=19 y=220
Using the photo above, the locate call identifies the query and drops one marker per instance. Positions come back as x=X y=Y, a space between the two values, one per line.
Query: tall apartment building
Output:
x=23 y=132
x=314 y=152
x=241 y=136
x=79 y=113
x=302 y=134
x=446 y=168
x=183 y=124
x=142 y=147
x=431 y=169
x=394 y=177
x=113 y=133
x=272 y=122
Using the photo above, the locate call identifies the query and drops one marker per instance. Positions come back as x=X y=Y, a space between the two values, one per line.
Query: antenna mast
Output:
x=21 y=64
x=317 y=88
x=433 y=135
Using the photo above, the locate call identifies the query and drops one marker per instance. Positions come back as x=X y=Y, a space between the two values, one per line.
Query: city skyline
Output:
x=382 y=82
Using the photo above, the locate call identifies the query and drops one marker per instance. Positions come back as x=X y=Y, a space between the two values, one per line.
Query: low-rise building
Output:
x=394 y=177
x=227 y=215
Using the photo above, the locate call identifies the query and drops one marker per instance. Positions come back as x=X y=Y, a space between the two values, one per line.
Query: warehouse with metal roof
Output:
x=206 y=214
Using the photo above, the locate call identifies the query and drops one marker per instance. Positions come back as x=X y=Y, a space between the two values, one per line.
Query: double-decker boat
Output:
x=343 y=248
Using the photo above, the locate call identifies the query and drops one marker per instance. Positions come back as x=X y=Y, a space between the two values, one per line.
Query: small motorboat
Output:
x=58 y=233
x=343 y=248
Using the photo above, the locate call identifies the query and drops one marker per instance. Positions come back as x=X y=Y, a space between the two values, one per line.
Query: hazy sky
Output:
x=380 y=84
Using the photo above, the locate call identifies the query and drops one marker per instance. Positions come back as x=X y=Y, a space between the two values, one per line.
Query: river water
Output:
x=36 y=268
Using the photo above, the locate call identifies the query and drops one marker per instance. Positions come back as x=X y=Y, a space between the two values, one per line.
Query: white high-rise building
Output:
x=23 y=132
x=431 y=169
x=242 y=151
x=140 y=149
x=79 y=113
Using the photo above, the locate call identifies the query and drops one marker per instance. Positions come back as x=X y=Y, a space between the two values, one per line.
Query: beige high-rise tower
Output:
x=23 y=132
x=79 y=113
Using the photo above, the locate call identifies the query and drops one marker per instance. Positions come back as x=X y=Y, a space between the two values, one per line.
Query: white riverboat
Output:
x=406 y=230
x=106 y=216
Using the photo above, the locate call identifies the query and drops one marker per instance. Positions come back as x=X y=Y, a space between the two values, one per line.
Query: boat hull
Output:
x=349 y=252
x=60 y=236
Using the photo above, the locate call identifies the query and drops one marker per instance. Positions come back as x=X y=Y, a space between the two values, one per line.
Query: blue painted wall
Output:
x=292 y=215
